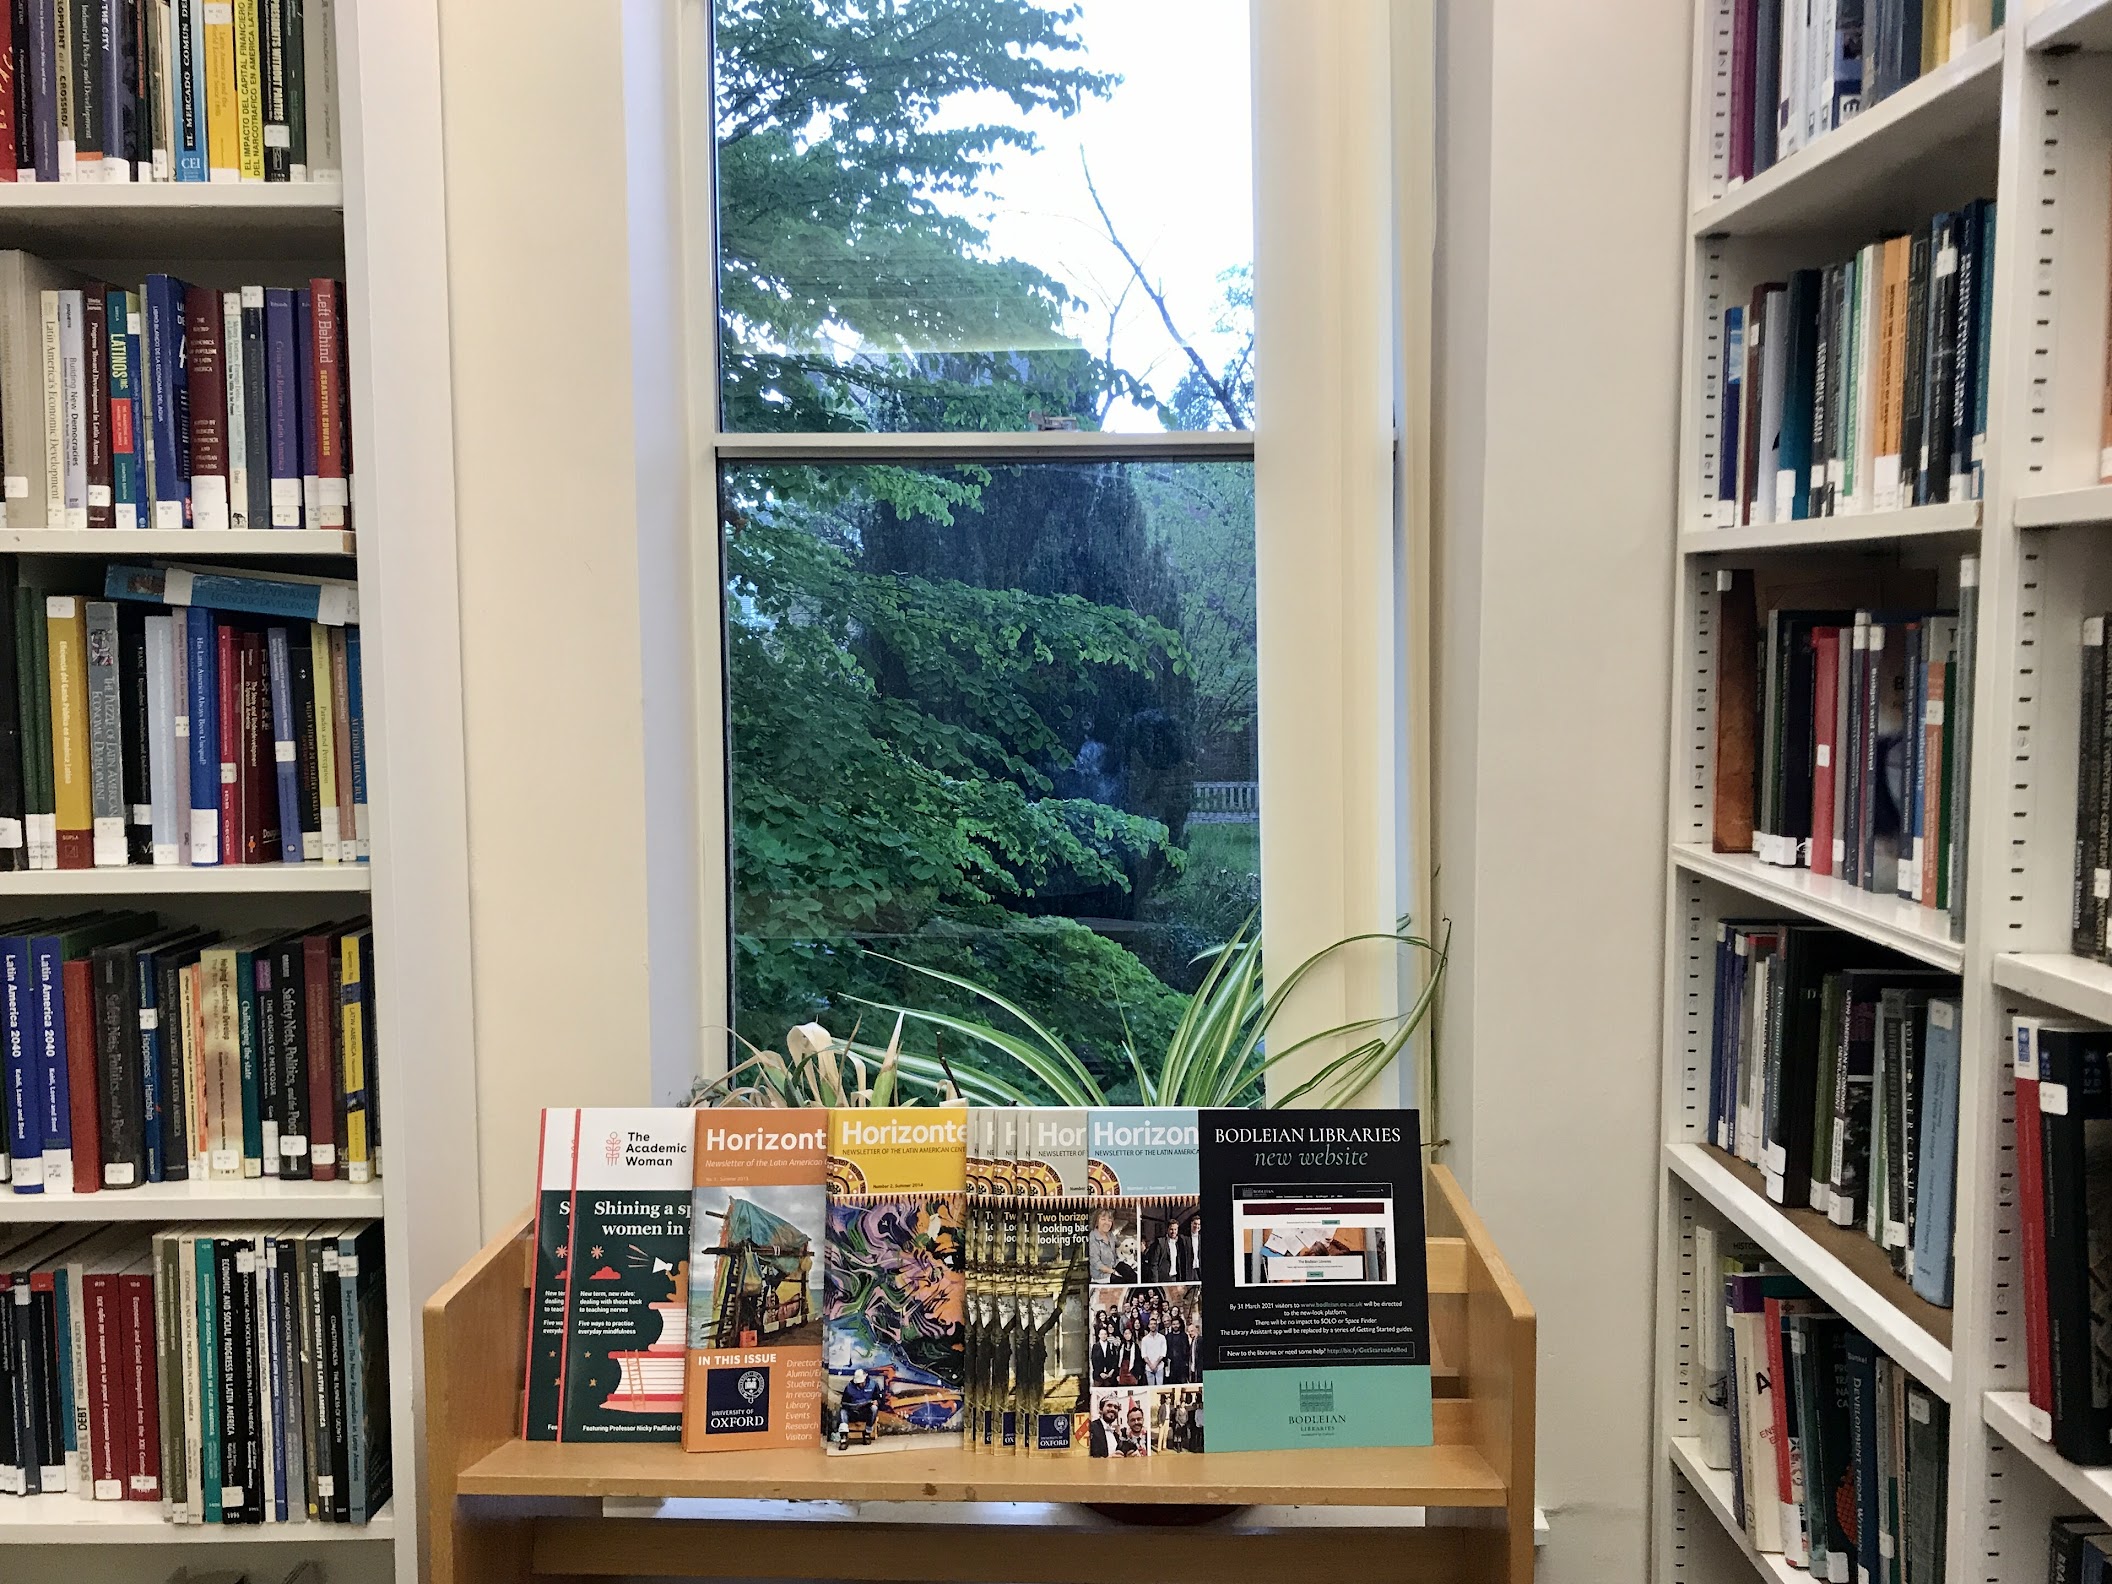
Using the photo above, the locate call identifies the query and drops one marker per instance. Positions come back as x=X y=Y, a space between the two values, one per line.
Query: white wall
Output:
x=546 y=514
x=1562 y=166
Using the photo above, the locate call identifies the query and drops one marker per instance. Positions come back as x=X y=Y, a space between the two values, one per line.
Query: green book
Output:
x=208 y=1382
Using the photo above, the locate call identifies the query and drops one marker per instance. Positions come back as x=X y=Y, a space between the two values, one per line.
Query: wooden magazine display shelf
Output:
x=504 y=1509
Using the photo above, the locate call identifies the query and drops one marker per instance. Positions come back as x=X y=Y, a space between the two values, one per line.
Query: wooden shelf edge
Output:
x=1906 y=927
x=1713 y=1486
x=1826 y=1259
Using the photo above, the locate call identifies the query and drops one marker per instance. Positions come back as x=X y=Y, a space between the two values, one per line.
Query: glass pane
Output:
x=997 y=721
x=984 y=214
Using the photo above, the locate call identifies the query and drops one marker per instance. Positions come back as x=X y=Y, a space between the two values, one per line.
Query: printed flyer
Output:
x=1315 y=1294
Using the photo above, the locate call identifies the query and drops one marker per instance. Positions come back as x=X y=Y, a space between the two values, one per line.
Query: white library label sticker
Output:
x=2053 y=1099
x=1825 y=756
x=1943 y=1013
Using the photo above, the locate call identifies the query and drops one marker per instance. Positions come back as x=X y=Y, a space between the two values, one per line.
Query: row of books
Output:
x=142 y=1053
x=194 y=734
x=1803 y=68
x=169 y=90
x=233 y=1377
x=1839 y=1459
x=1025 y=1281
x=1861 y=386
x=1835 y=1072
x=2079 y=1548
x=171 y=406
x=2063 y=1122
x=1843 y=734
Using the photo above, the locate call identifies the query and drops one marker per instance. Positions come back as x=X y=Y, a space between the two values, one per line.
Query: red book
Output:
x=1794 y=1546
x=230 y=748
x=325 y=312
x=84 y=1092
x=108 y=1416
x=1825 y=688
x=1745 y=33
x=205 y=376
x=2031 y=1224
x=142 y=1424
x=320 y=1006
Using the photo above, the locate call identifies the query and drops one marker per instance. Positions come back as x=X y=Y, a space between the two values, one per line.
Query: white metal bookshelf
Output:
x=2025 y=117
x=384 y=228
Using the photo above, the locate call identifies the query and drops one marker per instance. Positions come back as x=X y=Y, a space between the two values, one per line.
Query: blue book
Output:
x=330 y=601
x=168 y=404
x=1984 y=311
x=356 y=725
x=124 y=466
x=278 y=659
x=283 y=391
x=1732 y=407
x=303 y=370
x=202 y=672
x=1862 y=1430
x=1936 y=1170
x=187 y=88
x=49 y=950
x=63 y=1300
x=1847 y=96
x=120 y=53
x=25 y=1134
x=44 y=85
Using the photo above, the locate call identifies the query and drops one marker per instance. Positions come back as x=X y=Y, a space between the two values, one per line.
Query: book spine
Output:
x=142 y=1388
x=142 y=1042
x=14 y=797
x=2086 y=904
x=335 y=1363
x=168 y=431
x=2072 y=1093
x=304 y=365
x=24 y=1139
x=208 y=1344
x=318 y=1057
x=229 y=718
x=187 y=95
x=123 y=1087
x=248 y=1076
x=73 y=410
x=269 y=1064
x=84 y=1109
x=341 y=744
x=332 y=601
x=206 y=392
x=2031 y=1225
x=44 y=87
x=282 y=377
x=162 y=760
x=106 y=1386
x=190 y=1364
x=168 y=1376
x=356 y=737
x=53 y=1071
x=223 y=130
x=95 y=413
x=255 y=417
x=169 y=1060
x=307 y=760
x=1958 y=756
x=2104 y=455
x=249 y=93
x=354 y=1065
x=237 y=424
x=284 y=746
x=1983 y=331
x=86 y=37
x=327 y=389
x=136 y=723
x=227 y=1372
x=260 y=801
x=277 y=132
x=106 y=768
x=288 y=1018
x=201 y=664
x=319 y=74
x=325 y=744
x=66 y=634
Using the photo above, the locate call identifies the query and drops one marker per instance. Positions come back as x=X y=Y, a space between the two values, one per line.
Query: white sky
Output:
x=1171 y=151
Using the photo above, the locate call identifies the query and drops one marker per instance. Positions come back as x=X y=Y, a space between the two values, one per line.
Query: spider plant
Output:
x=1219 y=1054
x=815 y=1071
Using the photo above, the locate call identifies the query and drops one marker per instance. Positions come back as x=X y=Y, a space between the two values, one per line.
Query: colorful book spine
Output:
x=356 y=735
x=106 y=776
x=223 y=130
x=284 y=745
x=202 y=669
x=166 y=772
x=66 y=626
x=330 y=601
x=124 y=435
x=206 y=396
x=283 y=399
x=168 y=433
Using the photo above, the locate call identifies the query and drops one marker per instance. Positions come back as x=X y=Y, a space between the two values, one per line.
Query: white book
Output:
x=237 y=410
x=54 y=413
x=73 y=409
x=1789 y=82
x=319 y=64
x=162 y=776
x=27 y=430
x=1763 y=1495
x=1870 y=339
x=1715 y=1374
x=193 y=1510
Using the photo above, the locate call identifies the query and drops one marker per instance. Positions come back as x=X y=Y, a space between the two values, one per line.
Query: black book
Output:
x=274 y=56
x=1941 y=330
x=368 y=1411
x=30 y=1428
x=1903 y=1083
x=256 y=419
x=289 y=975
x=24 y=87
x=1767 y=68
x=128 y=19
x=1841 y=304
x=334 y=1365
x=121 y=1084
x=315 y=1369
x=1965 y=348
x=161 y=1040
x=270 y=1060
x=2075 y=1105
x=91 y=49
x=133 y=730
x=1799 y=387
x=1861 y=1357
x=227 y=1350
x=2086 y=932
x=1793 y=758
x=14 y=847
x=21 y=1457
x=301 y=664
x=2064 y=1554
x=1825 y=379
x=1925 y=1487
x=1809 y=953
x=1914 y=379
x=57 y=1411
x=256 y=1413
x=2094 y=747
x=1863 y=991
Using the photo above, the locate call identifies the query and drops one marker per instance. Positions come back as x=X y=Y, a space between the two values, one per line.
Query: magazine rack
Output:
x=504 y=1509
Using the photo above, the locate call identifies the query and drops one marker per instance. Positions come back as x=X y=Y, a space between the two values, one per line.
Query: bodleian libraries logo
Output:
x=1316 y=1408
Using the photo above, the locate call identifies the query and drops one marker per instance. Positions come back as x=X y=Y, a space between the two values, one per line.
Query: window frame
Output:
x=1337 y=448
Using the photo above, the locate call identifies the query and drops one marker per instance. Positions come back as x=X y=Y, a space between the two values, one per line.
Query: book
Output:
x=2075 y=1109
x=758 y=1219
x=2031 y=1222
x=892 y=1308
x=622 y=1276
x=1052 y=1371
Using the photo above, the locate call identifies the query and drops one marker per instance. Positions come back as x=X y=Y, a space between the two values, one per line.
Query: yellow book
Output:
x=1935 y=33
x=221 y=1070
x=66 y=633
x=191 y=1008
x=325 y=742
x=223 y=118
x=249 y=91
x=892 y=1318
x=353 y=1067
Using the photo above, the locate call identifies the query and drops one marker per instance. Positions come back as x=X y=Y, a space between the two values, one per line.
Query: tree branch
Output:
x=1217 y=386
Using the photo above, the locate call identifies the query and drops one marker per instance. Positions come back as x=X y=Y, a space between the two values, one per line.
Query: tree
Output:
x=961 y=705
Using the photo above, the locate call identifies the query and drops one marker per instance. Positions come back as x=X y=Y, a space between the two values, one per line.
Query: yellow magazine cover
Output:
x=757 y=1219
x=892 y=1307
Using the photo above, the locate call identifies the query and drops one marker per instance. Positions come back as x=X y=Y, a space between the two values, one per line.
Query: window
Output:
x=985 y=607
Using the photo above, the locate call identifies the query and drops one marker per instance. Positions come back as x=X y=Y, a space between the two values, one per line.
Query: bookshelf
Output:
x=2023 y=116
x=383 y=229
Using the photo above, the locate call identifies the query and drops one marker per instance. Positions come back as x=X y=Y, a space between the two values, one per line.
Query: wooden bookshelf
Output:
x=496 y=1501
x=2024 y=117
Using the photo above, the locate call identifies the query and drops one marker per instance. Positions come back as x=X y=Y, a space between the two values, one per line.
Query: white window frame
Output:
x=1342 y=194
